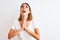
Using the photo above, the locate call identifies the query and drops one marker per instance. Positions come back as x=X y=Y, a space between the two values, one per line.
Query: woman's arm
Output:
x=36 y=34
x=13 y=33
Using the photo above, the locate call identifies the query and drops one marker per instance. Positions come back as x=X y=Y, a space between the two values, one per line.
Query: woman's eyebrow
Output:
x=22 y=6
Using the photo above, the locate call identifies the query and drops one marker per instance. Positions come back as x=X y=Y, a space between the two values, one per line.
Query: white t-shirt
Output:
x=23 y=35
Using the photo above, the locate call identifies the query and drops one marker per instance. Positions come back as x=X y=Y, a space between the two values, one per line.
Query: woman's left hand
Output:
x=25 y=28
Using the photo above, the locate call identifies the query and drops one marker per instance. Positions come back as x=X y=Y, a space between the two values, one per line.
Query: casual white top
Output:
x=23 y=35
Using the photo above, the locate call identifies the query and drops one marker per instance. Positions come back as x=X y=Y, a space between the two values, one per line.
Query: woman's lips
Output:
x=23 y=11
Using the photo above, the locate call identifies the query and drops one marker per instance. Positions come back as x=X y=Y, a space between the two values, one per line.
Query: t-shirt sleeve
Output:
x=13 y=25
x=36 y=24
x=16 y=25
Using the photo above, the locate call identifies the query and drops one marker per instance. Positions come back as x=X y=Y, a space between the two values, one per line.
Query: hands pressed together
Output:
x=24 y=27
x=34 y=34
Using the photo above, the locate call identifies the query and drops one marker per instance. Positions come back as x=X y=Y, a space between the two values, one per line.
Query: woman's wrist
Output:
x=26 y=29
x=22 y=28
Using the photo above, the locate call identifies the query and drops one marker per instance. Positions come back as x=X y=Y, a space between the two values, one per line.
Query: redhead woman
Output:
x=25 y=28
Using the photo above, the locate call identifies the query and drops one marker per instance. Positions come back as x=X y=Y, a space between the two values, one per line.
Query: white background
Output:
x=47 y=12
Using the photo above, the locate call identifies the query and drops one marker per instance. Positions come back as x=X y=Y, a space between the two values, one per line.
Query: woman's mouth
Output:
x=23 y=11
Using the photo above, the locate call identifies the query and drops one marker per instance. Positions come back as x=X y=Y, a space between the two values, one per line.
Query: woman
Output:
x=25 y=27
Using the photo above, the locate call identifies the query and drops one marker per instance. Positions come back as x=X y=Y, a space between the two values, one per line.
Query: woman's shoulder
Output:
x=15 y=24
x=16 y=21
x=35 y=23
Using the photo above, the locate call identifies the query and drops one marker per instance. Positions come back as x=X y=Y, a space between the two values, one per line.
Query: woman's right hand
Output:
x=23 y=24
x=22 y=28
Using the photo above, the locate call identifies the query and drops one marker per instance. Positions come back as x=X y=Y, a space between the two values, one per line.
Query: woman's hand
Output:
x=25 y=28
x=22 y=27
x=23 y=24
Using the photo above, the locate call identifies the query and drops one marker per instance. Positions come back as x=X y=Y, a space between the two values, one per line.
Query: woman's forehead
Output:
x=24 y=5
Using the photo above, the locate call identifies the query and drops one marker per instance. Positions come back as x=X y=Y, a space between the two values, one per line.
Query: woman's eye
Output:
x=26 y=6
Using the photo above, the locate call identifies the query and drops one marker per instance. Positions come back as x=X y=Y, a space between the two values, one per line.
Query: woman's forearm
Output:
x=13 y=33
x=33 y=34
x=18 y=31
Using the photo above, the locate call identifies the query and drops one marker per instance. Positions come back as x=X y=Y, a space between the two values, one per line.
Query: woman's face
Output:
x=24 y=10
